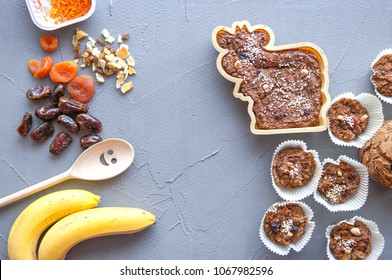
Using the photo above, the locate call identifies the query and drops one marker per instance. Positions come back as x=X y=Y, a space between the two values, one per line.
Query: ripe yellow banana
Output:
x=39 y=215
x=83 y=225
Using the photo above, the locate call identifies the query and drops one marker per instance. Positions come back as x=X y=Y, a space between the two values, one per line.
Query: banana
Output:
x=83 y=225
x=39 y=215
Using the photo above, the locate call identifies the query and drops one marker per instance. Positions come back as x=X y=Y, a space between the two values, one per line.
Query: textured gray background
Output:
x=197 y=166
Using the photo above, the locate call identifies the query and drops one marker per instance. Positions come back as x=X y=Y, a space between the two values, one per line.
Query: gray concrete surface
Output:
x=197 y=166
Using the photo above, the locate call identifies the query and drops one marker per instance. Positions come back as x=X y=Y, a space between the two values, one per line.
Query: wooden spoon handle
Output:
x=34 y=188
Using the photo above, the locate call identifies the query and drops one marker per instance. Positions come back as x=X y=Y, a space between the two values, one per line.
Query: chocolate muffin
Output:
x=293 y=168
x=376 y=155
x=285 y=85
x=348 y=118
x=285 y=224
x=350 y=242
x=338 y=182
x=382 y=75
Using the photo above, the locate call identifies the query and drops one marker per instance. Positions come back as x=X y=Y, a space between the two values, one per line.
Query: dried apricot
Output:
x=46 y=66
x=49 y=42
x=34 y=65
x=63 y=72
x=81 y=88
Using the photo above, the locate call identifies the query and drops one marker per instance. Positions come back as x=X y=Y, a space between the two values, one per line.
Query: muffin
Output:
x=350 y=241
x=293 y=167
x=382 y=75
x=376 y=155
x=354 y=239
x=348 y=118
x=295 y=170
x=285 y=224
x=338 y=182
x=286 y=86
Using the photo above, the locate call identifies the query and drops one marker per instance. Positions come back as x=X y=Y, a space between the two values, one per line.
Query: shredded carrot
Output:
x=64 y=10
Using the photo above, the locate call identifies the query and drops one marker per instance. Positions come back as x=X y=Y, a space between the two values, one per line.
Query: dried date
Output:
x=70 y=106
x=89 y=140
x=58 y=91
x=25 y=125
x=42 y=132
x=39 y=92
x=60 y=143
x=47 y=113
x=69 y=123
x=89 y=122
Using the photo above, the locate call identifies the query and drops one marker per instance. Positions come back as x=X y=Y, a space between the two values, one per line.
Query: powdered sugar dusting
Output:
x=286 y=226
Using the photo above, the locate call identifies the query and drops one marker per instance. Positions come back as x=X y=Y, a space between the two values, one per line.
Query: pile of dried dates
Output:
x=70 y=113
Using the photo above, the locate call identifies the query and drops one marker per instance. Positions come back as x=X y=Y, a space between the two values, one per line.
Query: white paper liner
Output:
x=297 y=245
x=377 y=239
x=386 y=99
x=357 y=200
x=375 y=121
x=294 y=194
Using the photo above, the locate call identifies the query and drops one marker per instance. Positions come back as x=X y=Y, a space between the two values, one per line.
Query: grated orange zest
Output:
x=64 y=10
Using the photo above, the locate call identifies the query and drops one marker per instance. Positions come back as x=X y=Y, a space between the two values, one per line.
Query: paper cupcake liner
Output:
x=357 y=200
x=294 y=194
x=377 y=239
x=386 y=99
x=297 y=245
x=376 y=119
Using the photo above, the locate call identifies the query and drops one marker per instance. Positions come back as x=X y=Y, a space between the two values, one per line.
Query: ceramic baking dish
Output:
x=317 y=51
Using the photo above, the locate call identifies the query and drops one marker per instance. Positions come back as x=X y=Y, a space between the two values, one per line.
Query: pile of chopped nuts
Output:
x=108 y=60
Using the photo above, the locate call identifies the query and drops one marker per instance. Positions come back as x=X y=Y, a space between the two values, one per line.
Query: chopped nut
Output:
x=101 y=63
x=99 y=77
x=340 y=118
x=113 y=64
x=266 y=87
x=80 y=34
x=130 y=61
x=106 y=51
x=85 y=54
x=364 y=118
x=126 y=87
x=122 y=63
x=102 y=43
x=108 y=71
x=304 y=72
x=119 y=39
x=347 y=251
x=96 y=52
x=105 y=33
x=91 y=40
x=355 y=231
x=340 y=174
x=237 y=64
x=125 y=36
x=109 y=57
x=110 y=39
x=78 y=54
x=289 y=164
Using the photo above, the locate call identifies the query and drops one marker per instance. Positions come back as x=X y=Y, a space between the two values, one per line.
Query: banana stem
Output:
x=35 y=188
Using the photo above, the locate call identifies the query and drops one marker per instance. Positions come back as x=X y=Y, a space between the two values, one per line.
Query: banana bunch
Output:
x=74 y=221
